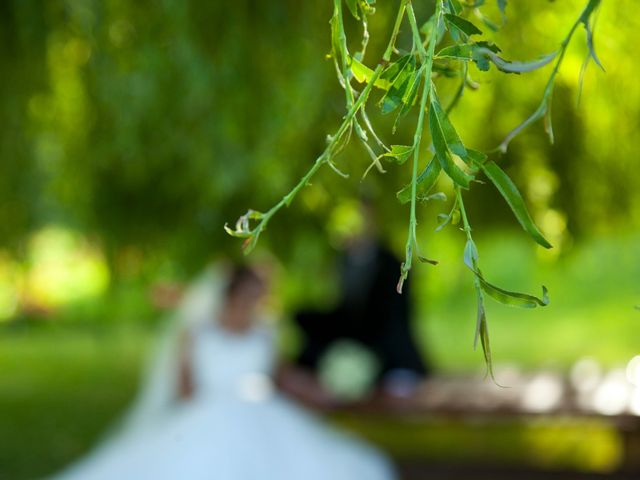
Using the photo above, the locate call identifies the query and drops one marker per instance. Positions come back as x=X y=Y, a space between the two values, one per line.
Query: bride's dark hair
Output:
x=241 y=276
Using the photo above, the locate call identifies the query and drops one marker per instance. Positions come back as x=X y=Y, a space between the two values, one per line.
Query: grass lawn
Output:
x=61 y=387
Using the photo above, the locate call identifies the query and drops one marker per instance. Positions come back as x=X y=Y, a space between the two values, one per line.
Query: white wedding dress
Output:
x=235 y=427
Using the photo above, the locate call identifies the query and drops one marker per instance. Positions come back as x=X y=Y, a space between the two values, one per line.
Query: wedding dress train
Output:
x=236 y=426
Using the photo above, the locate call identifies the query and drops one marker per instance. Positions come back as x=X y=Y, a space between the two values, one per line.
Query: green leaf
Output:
x=515 y=299
x=427 y=27
x=442 y=151
x=514 y=199
x=410 y=96
x=471 y=255
x=450 y=135
x=474 y=158
x=588 y=10
x=458 y=52
x=392 y=71
x=592 y=50
x=363 y=74
x=487 y=21
x=490 y=45
x=483 y=330
x=465 y=26
x=424 y=183
x=422 y=259
x=540 y=112
x=482 y=53
x=353 y=8
x=455 y=7
x=516 y=66
x=502 y=6
x=443 y=221
x=435 y=196
x=401 y=153
x=401 y=75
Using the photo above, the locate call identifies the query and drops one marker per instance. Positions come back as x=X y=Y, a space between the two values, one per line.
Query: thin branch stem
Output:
x=548 y=89
x=427 y=58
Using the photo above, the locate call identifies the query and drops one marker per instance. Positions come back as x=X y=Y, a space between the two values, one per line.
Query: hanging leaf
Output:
x=401 y=78
x=534 y=117
x=588 y=10
x=422 y=259
x=424 y=183
x=481 y=54
x=548 y=121
x=391 y=72
x=442 y=151
x=353 y=8
x=483 y=330
x=410 y=96
x=454 y=7
x=592 y=50
x=514 y=199
x=427 y=27
x=502 y=6
x=443 y=221
x=517 y=67
x=458 y=52
x=400 y=153
x=464 y=26
x=486 y=20
x=363 y=74
x=441 y=196
x=515 y=299
x=450 y=135
x=474 y=158
x=471 y=255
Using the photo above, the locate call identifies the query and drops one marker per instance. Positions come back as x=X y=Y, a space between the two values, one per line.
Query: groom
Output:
x=369 y=312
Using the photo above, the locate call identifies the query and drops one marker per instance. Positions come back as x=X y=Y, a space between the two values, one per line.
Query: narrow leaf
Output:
x=474 y=158
x=471 y=255
x=465 y=26
x=442 y=151
x=588 y=10
x=410 y=96
x=592 y=50
x=450 y=135
x=481 y=319
x=424 y=183
x=400 y=153
x=455 y=7
x=486 y=20
x=502 y=5
x=484 y=339
x=515 y=299
x=400 y=84
x=422 y=259
x=515 y=66
x=458 y=52
x=363 y=74
x=514 y=199
x=353 y=8
x=435 y=196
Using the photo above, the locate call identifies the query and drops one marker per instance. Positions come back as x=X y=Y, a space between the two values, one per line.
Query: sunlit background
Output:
x=132 y=131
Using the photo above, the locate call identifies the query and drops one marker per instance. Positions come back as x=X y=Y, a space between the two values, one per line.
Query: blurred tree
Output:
x=152 y=123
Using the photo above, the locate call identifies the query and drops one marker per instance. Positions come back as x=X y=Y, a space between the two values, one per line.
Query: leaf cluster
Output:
x=441 y=50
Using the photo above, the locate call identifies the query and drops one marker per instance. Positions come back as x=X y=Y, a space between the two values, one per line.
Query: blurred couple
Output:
x=208 y=408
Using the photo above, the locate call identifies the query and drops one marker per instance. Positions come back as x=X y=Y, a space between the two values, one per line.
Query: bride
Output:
x=209 y=410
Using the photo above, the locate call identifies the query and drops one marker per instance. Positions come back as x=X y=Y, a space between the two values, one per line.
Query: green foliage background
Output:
x=153 y=123
x=145 y=126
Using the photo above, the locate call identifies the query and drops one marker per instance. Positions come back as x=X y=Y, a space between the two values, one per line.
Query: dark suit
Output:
x=370 y=312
